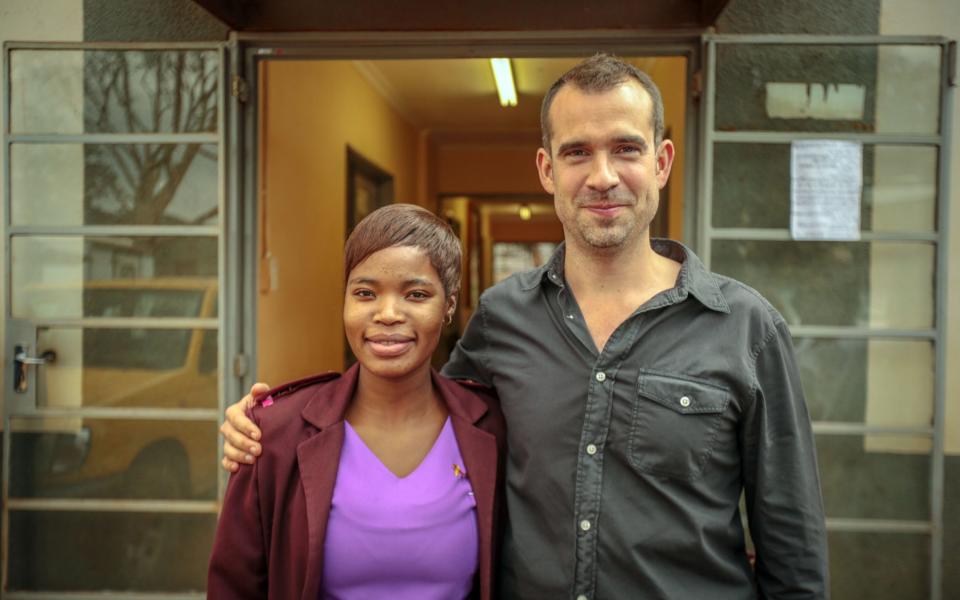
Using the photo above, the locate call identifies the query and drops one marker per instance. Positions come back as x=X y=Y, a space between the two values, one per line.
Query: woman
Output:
x=383 y=482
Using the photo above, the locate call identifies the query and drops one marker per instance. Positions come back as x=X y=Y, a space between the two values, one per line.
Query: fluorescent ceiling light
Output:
x=503 y=75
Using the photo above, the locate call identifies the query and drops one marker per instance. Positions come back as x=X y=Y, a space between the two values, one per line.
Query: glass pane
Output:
x=146 y=368
x=108 y=91
x=751 y=187
x=828 y=88
x=114 y=184
x=76 y=457
x=90 y=551
x=880 y=284
x=70 y=277
x=862 y=381
x=862 y=481
x=879 y=566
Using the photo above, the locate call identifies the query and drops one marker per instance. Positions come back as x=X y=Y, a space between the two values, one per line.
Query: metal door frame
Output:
x=250 y=49
x=227 y=322
x=706 y=234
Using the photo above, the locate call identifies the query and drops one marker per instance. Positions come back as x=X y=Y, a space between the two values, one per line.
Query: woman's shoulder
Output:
x=281 y=406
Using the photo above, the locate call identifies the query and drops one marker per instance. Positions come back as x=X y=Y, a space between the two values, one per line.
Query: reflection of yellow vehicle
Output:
x=134 y=368
x=129 y=368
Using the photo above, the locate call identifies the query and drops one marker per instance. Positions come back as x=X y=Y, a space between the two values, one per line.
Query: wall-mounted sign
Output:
x=826 y=180
x=829 y=101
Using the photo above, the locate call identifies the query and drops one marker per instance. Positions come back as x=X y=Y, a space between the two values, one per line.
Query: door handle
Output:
x=21 y=359
x=47 y=357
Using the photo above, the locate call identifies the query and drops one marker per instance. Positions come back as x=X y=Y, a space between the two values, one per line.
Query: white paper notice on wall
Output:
x=826 y=181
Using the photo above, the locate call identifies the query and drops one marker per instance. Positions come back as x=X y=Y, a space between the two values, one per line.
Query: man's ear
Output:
x=665 y=154
x=545 y=170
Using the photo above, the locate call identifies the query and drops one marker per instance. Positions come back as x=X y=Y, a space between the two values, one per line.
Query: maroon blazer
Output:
x=270 y=537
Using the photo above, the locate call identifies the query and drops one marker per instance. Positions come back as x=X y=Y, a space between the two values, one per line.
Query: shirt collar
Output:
x=694 y=278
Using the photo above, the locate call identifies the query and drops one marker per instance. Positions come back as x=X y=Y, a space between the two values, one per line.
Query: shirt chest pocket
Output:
x=676 y=425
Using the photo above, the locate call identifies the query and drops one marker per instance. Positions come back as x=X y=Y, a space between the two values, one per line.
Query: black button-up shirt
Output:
x=626 y=465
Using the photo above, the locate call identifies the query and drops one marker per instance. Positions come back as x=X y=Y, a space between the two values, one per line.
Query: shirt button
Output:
x=601 y=376
x=685 y=401
x=585 y=525
x=591 y=449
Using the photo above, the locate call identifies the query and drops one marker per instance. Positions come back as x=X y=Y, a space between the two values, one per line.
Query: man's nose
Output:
x=603 y=176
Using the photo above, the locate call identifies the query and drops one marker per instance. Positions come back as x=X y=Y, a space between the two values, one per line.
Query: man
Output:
x=642 y=393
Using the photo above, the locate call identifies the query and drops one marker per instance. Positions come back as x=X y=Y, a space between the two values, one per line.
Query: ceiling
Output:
x=459 y=95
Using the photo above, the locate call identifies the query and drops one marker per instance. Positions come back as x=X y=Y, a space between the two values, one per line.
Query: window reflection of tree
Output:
x=145 y=92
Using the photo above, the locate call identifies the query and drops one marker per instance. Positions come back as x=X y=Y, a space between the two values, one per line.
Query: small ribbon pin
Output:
x=458 y=472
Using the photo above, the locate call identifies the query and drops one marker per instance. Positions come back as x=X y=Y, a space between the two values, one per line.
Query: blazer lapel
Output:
x=479 y=451
x=319 y=459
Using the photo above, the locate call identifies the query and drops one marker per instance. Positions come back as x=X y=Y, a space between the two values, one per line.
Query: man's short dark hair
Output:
x=601 y=73
x=407 y=225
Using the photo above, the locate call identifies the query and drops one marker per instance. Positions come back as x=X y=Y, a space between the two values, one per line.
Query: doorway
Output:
x=435 y=128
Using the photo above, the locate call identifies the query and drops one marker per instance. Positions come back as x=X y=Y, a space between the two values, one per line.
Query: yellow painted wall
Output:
x=310 y=112
x=670 y=75
x=467 y=167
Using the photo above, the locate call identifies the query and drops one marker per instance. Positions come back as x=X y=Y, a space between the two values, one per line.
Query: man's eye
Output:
x=628 y=149
x=576 y=153
x=363 y=293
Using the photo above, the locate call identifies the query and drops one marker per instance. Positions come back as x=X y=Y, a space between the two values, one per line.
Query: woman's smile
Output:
x=389 y=345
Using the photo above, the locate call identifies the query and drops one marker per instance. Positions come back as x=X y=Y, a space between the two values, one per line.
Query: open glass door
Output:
x=114 y=168
x=862 y=287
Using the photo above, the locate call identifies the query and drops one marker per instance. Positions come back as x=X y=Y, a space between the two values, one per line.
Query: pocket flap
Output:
x=683 y=395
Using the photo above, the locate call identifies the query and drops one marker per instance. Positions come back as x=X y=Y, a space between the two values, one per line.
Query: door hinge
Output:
x=241 y=365
x=696 y=84
x=952 y=64
x=238 y=88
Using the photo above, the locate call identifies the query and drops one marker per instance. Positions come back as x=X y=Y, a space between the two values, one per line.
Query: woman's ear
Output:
x=451 y=309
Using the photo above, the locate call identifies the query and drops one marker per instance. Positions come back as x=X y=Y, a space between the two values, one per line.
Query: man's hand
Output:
x=240 y=435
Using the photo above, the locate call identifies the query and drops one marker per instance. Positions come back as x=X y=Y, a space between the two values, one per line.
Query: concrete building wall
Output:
x=311 y=112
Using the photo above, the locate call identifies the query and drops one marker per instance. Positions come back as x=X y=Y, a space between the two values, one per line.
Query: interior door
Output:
x=862 y=285
x=114 y=264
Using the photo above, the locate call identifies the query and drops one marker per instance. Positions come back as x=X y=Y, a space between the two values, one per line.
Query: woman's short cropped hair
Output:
x=407 y=225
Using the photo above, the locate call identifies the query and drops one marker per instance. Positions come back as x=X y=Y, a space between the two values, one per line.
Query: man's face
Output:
x=603 y=169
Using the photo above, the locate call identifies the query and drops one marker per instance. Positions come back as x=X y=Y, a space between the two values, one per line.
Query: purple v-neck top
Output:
x=412 y=537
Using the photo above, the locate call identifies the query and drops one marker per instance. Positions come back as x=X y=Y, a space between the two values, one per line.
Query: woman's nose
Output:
x=388 y=311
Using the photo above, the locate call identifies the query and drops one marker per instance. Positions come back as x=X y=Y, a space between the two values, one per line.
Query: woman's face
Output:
x=394 y=311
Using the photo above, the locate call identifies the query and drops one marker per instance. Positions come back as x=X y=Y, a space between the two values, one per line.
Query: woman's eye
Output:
x=363 y=293
x=419 y=295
